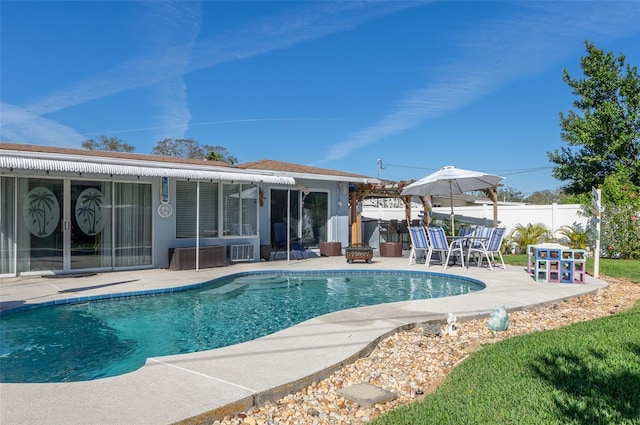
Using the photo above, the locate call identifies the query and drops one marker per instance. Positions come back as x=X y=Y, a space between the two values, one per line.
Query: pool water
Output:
x=98 y=339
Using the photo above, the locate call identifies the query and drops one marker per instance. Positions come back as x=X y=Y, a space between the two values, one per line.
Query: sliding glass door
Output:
x=7 y=225
x=40 y=224
x=306 y=212
x=61 y=225
x=315 y=216
x=132 y=223
x=90 y=231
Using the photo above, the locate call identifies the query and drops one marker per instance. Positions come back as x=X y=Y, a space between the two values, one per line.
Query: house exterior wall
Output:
x=142 y=217
x=164 y=228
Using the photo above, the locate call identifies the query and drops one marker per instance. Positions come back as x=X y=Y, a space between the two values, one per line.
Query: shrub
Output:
x=530 y=234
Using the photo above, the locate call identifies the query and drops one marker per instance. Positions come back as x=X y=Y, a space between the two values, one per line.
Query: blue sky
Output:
x=333 y=84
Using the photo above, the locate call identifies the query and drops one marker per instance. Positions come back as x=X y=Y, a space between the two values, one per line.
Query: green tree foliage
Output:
x=105 y=143
x=603 y=132
x=620 y=225
x=220 y=153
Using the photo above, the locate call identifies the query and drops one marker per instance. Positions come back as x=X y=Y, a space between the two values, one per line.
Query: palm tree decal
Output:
x=90 y=203
x=41 y=202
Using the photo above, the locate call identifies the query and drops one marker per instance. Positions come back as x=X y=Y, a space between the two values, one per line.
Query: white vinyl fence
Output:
x=552 y=216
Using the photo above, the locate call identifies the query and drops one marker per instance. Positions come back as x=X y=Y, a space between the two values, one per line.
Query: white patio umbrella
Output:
x=450 y=181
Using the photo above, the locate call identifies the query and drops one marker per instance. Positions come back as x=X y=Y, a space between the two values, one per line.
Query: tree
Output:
x=220 y=153
x=105 y=143
x=509 y=194
x=192 y=149
x=546 y=197
x=179 y=148
x=604 y=134
x=620 y=226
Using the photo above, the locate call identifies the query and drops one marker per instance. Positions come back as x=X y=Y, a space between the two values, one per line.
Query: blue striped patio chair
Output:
x=419 y=244
x=491 y=247
x=482 y=234
x=438 y=242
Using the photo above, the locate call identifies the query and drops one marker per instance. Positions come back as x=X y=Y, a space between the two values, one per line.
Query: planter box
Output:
x=391 y=249
x=330 y=249
x=185 y=258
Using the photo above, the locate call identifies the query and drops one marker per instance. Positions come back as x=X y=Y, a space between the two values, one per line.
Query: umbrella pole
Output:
x=453 y=227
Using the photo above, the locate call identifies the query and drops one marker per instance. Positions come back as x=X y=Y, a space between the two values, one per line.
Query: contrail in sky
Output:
x=494 y=56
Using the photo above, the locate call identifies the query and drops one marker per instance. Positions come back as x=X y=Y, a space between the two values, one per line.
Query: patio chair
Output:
x=419 y=243
x=489 y=248
x=280 y=241
x=438 y=242
x=480 y=234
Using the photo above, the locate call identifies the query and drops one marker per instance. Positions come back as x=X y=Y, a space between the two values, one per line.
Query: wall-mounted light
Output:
x=343 y=187
x=339 y=204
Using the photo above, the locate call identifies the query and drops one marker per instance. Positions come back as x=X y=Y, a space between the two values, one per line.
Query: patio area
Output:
x=212 y=384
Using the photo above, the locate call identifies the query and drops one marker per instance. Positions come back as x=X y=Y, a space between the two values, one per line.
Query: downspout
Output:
x=197 y=226
x=288 y=225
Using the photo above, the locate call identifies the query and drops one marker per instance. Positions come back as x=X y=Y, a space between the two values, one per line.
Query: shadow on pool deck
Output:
x=199 y=387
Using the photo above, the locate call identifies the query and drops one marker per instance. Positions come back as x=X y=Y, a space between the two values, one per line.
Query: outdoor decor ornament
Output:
x=498 y=319
x=451 y=322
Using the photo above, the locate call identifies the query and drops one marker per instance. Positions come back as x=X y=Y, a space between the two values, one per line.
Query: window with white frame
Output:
x=187 y=208
x=239 y=209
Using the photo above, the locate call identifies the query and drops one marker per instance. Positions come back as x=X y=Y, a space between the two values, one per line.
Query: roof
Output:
x=45 y=158
x=107 y=154
x=104 y=162
x=301 y=170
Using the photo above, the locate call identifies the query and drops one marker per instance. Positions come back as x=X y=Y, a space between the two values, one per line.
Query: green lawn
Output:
x=586 y=373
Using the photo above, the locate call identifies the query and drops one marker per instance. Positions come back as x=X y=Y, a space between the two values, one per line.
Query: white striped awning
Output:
x=87 y=167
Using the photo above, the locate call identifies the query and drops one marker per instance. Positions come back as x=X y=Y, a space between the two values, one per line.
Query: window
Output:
x=239 y=209
x=186 y=209
x=132 y=224
x=240 y=212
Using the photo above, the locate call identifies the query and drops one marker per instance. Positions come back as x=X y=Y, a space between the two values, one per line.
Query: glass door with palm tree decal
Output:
x=40 y=231
x=90 y=225
x=65 y=225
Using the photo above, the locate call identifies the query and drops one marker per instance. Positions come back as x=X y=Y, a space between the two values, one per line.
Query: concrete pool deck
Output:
x=210 y=384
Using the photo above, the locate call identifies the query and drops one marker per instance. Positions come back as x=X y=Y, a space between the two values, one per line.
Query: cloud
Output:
x=172 y=29
x=26 y=127
x=500 y=52
x=173 y=24
x=312 y=22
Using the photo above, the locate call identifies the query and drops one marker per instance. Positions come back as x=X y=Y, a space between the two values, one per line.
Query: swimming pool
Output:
x=81 y=341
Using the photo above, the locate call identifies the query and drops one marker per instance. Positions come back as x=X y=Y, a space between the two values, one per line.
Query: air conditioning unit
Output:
x=241 y=253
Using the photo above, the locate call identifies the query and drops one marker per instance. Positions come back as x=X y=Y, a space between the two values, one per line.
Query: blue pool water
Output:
x=81 y=341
